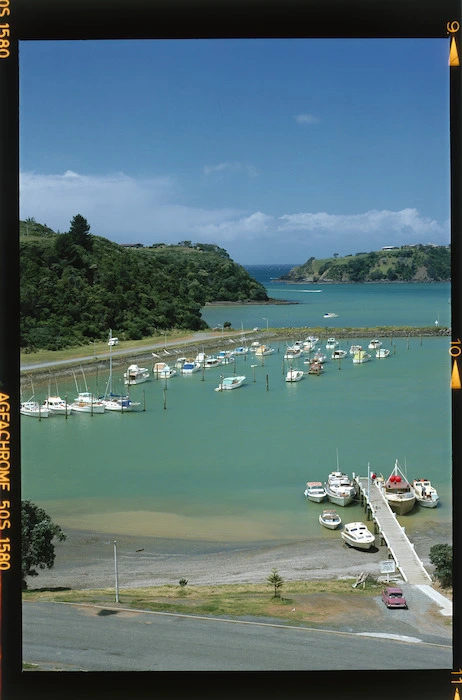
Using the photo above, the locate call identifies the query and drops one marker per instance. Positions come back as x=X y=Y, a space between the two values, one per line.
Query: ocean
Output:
x=232 y=466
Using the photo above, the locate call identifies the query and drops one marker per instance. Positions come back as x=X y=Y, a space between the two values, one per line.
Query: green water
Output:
x=232 y=466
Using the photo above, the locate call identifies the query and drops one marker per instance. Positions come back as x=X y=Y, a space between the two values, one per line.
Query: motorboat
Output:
x=355 y=348
x=136 y=375
x=339 y=488
x=330 y=315
x=57 y=406
x=330 y=519
x=207 y=361
x=119 y=403
x=315 y=367
x=294 y=375
x=331 y=344
x=315 y=491
x=293 y=352
x=179 y=362
x=161 y=370
x=375 y=344
x=263 y=350
x=338 y=354
x=382 y=353
x=241 y=350
x=426 y=495
x=398 y=493
x=357 y=535
x=226 y=357
x=360 y=357
x=34 y=409
x=320 y=356
x=310 y=343
x=87 y=403
x=227 y=383
x=190 y=366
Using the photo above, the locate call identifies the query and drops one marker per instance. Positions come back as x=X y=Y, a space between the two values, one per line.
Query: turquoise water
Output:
x=232 y=466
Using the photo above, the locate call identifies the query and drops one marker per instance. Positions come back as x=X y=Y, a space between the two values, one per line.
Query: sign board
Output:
x=388 y=567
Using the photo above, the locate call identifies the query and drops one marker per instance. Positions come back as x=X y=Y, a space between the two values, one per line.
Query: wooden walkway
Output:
x=389 y=529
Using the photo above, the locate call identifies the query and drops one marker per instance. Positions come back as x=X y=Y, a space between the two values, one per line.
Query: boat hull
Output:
x=339 y=500
x=400 y=506
x=357 y=545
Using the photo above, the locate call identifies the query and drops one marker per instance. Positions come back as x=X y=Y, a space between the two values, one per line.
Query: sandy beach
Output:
x=86 y=560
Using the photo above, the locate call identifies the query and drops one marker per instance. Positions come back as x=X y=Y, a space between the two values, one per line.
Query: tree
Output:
x=276 y=580
x=37 y=534
x=80 y=232
x=441 y=557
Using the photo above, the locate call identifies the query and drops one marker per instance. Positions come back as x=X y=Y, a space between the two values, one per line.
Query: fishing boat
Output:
x=315 y=491
x=331 y=344
x=190 y=366
x=86 y=402
x=57 y=406
x=136 y=375
x=33 y=409
x=360 y=357
x=338 y=354
x=358 y=535
x=381 y=353
x=398 y=493
x=227 y=383
x=263 y=350
x=294 y=375
x=426 y=495
x=161 y=370
x=330 y=519
x=375 y=344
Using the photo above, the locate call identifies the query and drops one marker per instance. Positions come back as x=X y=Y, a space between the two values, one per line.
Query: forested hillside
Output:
x=422 y=263
x=75 y=286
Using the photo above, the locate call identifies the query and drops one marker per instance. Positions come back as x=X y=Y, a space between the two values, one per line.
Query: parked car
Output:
x=394 y=598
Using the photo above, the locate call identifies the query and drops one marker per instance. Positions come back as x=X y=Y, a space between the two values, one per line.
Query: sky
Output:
x=274 y=149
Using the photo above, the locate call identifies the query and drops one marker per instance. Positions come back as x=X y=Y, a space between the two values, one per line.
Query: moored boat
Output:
x=382 y=353
x=358 y=535
x=340 y=489
x=331 y=344
x=338 y=354
x=330 y=519
x=136 y=375
x=227 y=383
x=375 y=344
x=315 y=491
x=398 y=493
x=315 y=367
x=33 y=409
x=87 y=403
x=263 y=350
x=293 y=352
x=360 y=357
x=190 y=366
x=426 y=495
x=162 y=370
x=226 y=357
x=207 y=361
x=294 y=375
x=57 y=406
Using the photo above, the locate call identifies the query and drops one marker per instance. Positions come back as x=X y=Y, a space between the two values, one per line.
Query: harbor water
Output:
x=231 y=466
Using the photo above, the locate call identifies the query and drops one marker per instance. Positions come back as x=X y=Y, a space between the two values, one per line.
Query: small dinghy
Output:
x=330 y=519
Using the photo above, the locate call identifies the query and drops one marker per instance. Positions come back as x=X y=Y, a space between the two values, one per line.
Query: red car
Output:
x=394 y=598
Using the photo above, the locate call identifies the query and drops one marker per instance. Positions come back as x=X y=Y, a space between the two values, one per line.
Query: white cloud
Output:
x=125 y=209
x=306 y=119
x=232 y=167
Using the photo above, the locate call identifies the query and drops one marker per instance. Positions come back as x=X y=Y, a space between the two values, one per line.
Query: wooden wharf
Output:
x=391 y=532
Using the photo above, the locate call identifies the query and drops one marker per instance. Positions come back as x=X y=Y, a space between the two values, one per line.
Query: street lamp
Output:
x=265 y=319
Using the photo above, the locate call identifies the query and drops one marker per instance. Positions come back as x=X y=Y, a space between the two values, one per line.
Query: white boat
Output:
x=34 y=409
x=87 y=403
x=136 y=375
x=339 y=354
x=330 y=315
x=179 y=362
x=340 y=489
x=207 y=361
x=331 y=344
x=355 y=348
x=426 y=495
x=241 y=350
x=398 y=493
x=293 y=352
x=190 y=366
x=119 y=403
x=227 y=383
x=263 y=350
x=382 y=353
x=294 y=375
x=226 y=357
x=320 y=356
x=330 y=519
x=358 y=535
x=57 y=406
x=310 y=343
x=375 y=344
x=163 y=371
x=360 y=357
x=315 y=491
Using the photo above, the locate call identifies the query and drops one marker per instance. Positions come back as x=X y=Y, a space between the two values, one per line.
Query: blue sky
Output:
x=274 y=149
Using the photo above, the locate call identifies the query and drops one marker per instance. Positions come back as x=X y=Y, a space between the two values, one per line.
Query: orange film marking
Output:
x=453 y=53
x=455 y=377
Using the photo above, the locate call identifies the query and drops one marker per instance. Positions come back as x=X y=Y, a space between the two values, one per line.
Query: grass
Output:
x=228 y=600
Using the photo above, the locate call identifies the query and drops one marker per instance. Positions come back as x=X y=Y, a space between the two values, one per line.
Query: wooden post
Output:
x=267 y=384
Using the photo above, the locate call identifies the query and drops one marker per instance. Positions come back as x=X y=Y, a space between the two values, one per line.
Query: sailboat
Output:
x=32 y=408
x=111 y=401
x=86 y=401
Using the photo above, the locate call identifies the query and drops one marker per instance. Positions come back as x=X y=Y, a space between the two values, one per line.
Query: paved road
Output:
x=70 y=637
